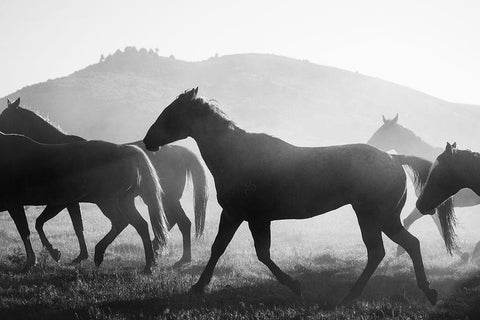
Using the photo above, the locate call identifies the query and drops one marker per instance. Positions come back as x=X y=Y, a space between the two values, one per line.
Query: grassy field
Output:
x=325 y=253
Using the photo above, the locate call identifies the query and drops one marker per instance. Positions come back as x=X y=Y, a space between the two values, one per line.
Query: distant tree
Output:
x=216 y=55
x=143 y=51
x=102 y=58
x=156 y=51
x=172 y=56
x=130 y=49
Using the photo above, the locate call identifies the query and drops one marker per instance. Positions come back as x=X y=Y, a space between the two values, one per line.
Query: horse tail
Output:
x=196 y=172
x=151 y=193
x=446 y=215
x=418 y=166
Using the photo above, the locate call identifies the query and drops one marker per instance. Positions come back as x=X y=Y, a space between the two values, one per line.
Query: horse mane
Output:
x=42 y=117
x=466 y=154
x=408 y=132
x=203 y=107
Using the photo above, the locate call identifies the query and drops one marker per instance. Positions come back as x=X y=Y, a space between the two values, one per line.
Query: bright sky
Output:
x=430 y=45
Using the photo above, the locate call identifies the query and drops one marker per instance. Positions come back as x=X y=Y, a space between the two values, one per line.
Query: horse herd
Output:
x=258 y=179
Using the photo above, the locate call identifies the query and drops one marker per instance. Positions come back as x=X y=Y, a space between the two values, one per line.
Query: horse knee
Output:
x=263 y=255
x=141 y=225
x=38 y=225
x=377 y=254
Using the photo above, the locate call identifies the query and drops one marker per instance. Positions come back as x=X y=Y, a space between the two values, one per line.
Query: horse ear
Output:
x=448 y=149
x=384 y=119
x=454 y=145
x=395 y=120
x=8 y=102
x=195 y=91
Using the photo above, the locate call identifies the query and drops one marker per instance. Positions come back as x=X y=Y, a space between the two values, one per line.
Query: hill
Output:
x=307 y=104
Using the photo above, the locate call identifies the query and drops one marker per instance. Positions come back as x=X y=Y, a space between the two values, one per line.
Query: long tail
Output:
x=446 y=214
x=420 y=169
x=200 y=189
x=151 y=193
x=418 y=166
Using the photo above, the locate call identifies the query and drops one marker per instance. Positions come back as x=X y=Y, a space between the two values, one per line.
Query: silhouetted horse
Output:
x=172 y=164
x=260 y=178
x=392 y=136
x=103 y=173
x=453 y=170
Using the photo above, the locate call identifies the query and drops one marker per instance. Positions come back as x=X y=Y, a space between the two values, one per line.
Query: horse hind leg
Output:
x=397 y=233
x=372 y=238
x=262 y=240
x=127 y=206
x=48 y=213
x=110 y=210
x=76 y=217
x=174 y=212
x=20 y=220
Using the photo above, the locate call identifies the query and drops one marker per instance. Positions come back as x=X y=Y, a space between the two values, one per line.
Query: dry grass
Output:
x=326 y=254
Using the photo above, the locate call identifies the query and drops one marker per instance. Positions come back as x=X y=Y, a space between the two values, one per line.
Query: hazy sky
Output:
x=432 y=46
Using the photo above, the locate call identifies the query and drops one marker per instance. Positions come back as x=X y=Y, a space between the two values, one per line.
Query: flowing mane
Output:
x=204 y=107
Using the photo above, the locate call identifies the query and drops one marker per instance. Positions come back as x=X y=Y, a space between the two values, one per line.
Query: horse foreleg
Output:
x=411 y=244
x=184 y=225
x=262 y=240
x=76 y=217
x=137 y=221
x=20 y=220
x=48 y=213
x=407 y=222
x=372 y=237
x=227 y=228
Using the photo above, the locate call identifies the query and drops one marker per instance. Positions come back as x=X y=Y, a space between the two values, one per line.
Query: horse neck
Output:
x=410 y=144
x=469 y=173
x=49 y=134
x=216 y=147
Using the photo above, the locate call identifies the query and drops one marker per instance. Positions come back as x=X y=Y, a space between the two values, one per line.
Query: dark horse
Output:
x=172 y=163
x=453 y=170
x=260 y=178
x=103 y=173
x=393 y=136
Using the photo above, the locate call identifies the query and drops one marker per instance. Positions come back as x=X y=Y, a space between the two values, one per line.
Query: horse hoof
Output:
x=296 y=288
x=55 y=254
x=147 y=271
x=432 y=296
x=28 y=266
x=348 y=300
x=79 y=259
x=181 y=262
x=197 y=289
x=98 y=260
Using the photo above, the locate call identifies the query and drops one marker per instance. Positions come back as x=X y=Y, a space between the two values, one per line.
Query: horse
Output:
x=172 y=163
x=260 y=179
x=453 y=170
x=107 y=174
x=393 y=136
